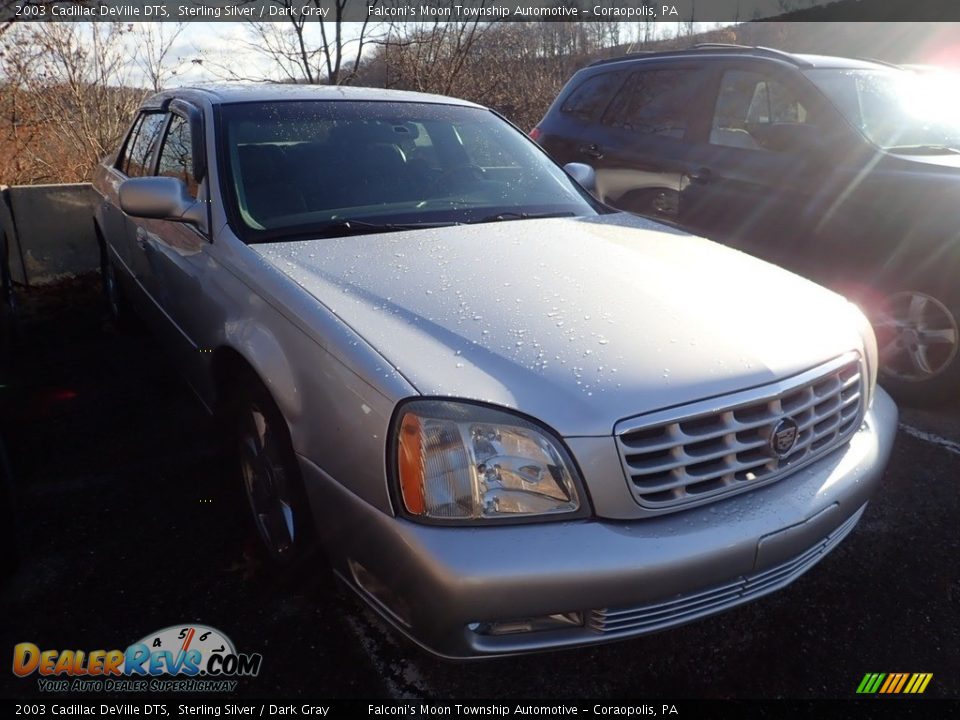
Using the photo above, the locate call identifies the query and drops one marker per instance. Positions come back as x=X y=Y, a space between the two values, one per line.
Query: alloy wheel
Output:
x=112 y=290
x=917 y=336
x=267 y=486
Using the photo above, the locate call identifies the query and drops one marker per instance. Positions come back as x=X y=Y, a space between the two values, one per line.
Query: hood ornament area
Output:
x=784 y=437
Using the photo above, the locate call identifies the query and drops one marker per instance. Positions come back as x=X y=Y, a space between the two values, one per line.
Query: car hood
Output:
x=578 y=322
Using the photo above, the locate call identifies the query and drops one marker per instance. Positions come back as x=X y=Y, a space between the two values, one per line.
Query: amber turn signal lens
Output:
x=410 y=463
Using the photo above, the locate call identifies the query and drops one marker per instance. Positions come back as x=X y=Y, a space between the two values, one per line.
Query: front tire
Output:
x=271 y=480
x=118 y=308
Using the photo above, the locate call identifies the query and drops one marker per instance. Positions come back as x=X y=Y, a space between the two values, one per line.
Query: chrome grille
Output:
x=692 y=454
x=692 y=606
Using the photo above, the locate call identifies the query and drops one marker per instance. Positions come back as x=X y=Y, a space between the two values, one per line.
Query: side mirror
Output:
x=163 y=198
x=585 y=176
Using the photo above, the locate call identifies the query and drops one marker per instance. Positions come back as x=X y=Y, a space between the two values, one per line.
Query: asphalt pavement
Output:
x=128 y=523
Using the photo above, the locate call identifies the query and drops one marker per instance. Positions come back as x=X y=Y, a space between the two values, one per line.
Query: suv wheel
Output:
x=919 y=339
x=658 y=203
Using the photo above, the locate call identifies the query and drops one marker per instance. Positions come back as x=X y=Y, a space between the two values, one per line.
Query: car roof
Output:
x=244 y=92
x=830 y=61
x=718 y=51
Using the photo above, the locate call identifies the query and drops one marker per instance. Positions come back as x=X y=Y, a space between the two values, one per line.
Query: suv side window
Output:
x=141 y=146
x=656 y=102
x=176 y=154
x=755 y=112
x=591 y=97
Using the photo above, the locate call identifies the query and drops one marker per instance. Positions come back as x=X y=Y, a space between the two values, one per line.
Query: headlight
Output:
x=871 y=355
x=459 y=461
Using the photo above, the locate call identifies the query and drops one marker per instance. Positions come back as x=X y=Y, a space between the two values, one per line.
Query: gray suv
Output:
x=843 y=170
x=510 y=418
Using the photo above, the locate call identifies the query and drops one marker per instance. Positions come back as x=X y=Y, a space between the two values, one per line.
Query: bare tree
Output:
x=431 y=56
x=155 y=44
x=308 y=48
x=70 y=91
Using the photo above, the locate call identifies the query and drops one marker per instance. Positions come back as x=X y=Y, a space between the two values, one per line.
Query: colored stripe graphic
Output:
x=892 y=679
x=894 y=683
x=903 y=679
x=870 y=683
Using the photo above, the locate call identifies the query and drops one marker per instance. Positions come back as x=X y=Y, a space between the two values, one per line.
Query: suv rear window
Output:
x=591 y=97
x=656 y=102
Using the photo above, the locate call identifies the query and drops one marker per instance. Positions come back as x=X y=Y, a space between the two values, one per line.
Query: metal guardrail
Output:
x=49 y=232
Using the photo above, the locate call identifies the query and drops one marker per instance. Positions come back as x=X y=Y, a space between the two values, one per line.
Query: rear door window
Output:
x=123 y=162
x=139 y=159
x=657 y=102
x=176 y=155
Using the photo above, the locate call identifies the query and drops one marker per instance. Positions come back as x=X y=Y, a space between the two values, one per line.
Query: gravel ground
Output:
x=128 y=524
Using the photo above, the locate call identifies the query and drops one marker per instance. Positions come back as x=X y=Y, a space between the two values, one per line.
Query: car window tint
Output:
x=419 y=147
x=303 y=165
x=756 y=112
x=123 y=162
x=143 y=145
x=592 y=96
x=481 y=149
x=656 y=102
x=176 y=158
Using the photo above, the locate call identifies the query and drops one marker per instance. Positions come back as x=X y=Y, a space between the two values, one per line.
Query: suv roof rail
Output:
x=628 y=56
x=710 y=47
x=881 y=62
x=718 y=45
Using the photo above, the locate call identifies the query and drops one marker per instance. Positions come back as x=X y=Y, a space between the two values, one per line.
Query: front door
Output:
x=759 y=167
x=176 y=262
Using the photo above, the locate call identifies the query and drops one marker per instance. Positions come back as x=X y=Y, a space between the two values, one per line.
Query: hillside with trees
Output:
x=69 y=90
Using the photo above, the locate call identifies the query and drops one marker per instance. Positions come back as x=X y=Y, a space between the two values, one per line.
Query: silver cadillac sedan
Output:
x=509 y=418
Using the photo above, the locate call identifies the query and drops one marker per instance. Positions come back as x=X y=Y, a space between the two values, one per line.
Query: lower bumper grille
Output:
x=692 y=606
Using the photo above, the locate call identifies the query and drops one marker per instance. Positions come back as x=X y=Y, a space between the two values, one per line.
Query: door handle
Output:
x=142 y=238
x=701 y=176
x=592 y=150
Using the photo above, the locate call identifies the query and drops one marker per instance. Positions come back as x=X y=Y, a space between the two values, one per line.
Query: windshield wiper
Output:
x=510 y=215
x=344 y=228
x=923 y=149
x=360 y=227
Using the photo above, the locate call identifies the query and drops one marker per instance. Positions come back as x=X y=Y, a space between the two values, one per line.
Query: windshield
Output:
x=335 y=167
x=896 y=109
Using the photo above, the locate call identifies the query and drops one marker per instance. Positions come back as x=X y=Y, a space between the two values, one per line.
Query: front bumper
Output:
x=626 y=577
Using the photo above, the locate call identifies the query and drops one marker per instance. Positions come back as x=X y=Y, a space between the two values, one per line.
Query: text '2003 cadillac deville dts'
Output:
x=512 y=418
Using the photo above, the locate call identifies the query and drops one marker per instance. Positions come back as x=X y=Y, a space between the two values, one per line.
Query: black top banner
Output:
x=647 y=11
